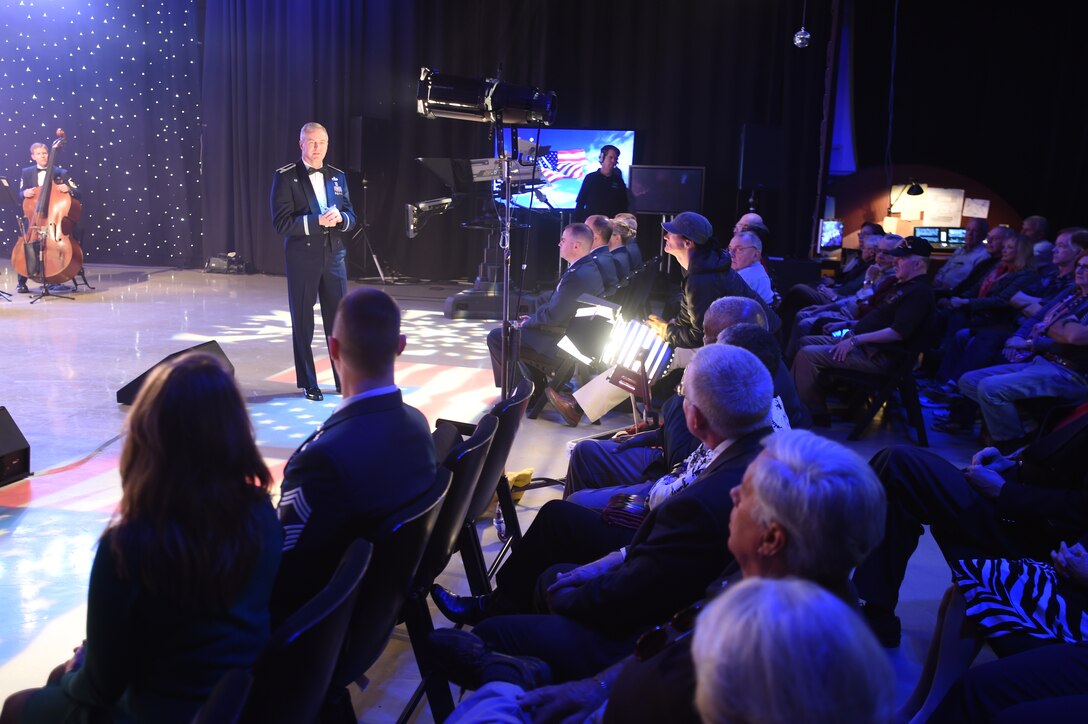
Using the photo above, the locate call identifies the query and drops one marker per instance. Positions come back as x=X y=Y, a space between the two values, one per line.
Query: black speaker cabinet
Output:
x=14 y=450
x=127 y=394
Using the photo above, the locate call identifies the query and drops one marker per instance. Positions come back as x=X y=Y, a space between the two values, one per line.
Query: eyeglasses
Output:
x=735 y=249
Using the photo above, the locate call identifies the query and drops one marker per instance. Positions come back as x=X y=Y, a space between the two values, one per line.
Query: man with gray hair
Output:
x=616 y=582
x=312 y=210
x=746 y=251
x=632 y=459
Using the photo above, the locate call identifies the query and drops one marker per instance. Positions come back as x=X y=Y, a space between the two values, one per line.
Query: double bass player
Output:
x=34 y=178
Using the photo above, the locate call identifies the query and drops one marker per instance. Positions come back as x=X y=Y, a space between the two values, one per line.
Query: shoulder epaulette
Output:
x=288 y=167
x=334 y=168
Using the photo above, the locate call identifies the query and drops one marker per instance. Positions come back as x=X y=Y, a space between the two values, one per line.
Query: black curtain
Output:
x=988 y=90
x=687 y=75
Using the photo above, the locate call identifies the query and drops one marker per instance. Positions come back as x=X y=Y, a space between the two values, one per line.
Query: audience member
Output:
x=878 y=340
x=1036 y=228
x=788 y=651
x=602 y=256
x=808 y=507
x=958 y=267
x=845 y=284
x=631 y=459
x=1070 y=246
x=707 y=276
x=1008 y=507
x=620 y=233
x=542 y=330
x=628 y=231
x=1055 y=364
x=879 y=282
x=180 y=584
x=588 y=617
x=746 y=251
x=372 y=458
x=750 y=337
x=985 y=316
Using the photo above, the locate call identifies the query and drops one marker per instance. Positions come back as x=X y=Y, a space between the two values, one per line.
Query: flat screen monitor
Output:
x=932 y=234
x=942 y=238
x=572 y=153
x=667 y=189
x=830 y=234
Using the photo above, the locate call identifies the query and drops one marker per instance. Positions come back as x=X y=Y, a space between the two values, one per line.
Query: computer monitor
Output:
x=957 y=235
x=942 y=238
x=830 y=234
x=572 y=153
x=932 y=234
x=667 y=189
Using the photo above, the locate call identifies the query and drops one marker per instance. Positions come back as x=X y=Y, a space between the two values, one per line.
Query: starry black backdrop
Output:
x=123 y=80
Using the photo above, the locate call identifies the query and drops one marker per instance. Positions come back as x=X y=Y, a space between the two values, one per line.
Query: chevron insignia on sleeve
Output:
x=294 y=511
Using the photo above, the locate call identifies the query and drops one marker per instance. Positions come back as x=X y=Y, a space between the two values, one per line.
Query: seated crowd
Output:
x=725 y=565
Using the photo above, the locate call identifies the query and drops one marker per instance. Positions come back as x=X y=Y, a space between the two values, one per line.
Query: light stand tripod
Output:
x=367 y=247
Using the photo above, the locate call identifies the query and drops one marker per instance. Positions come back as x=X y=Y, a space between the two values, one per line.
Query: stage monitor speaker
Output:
x=14 y=450
x=127 y=394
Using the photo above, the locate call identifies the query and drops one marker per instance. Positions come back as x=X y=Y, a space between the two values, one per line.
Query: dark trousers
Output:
x=925 y=489
x=1048 y=684
x=536 y=348
x=315 y=272
x=562 y=532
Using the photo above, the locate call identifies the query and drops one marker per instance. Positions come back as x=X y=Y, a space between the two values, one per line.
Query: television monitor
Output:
x=942 y=238
x=667 y=189
x=830 y=234
x=957 y=235
x=932 y=234
x=572 y=153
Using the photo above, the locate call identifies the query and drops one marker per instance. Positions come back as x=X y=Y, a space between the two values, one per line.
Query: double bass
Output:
x=47 y=253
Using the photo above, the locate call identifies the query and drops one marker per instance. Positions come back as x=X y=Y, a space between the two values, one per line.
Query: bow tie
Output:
x=317 y=170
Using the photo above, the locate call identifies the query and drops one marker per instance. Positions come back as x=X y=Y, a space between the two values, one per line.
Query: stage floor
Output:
x=67 y=359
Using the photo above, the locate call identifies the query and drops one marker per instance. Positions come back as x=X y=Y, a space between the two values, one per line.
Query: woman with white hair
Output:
x=788 y=651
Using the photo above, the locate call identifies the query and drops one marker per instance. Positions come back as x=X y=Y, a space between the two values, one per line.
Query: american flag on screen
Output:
x=563 y=164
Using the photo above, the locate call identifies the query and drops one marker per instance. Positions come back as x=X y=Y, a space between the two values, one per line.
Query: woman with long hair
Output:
x=181 y=581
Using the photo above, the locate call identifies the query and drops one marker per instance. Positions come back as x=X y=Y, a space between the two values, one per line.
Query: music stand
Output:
x=9 y=197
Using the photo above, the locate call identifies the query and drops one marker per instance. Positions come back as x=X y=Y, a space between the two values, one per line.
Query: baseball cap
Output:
x=690 y=224
x=912 y=246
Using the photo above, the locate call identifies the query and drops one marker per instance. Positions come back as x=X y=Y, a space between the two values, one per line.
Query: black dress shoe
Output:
x=23 y=289
x=469 y=610
x=314 y=393
x=464 y=659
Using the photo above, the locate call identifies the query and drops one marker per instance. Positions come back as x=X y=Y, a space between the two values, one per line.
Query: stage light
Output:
x=485 y=100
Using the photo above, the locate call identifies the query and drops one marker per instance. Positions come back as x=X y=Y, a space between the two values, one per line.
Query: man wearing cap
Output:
x=707 y=276
x=542 y=330
x=872 y=343
x=746 y=251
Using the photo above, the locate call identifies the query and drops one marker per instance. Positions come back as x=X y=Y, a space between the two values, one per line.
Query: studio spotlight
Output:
x=483 y=100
